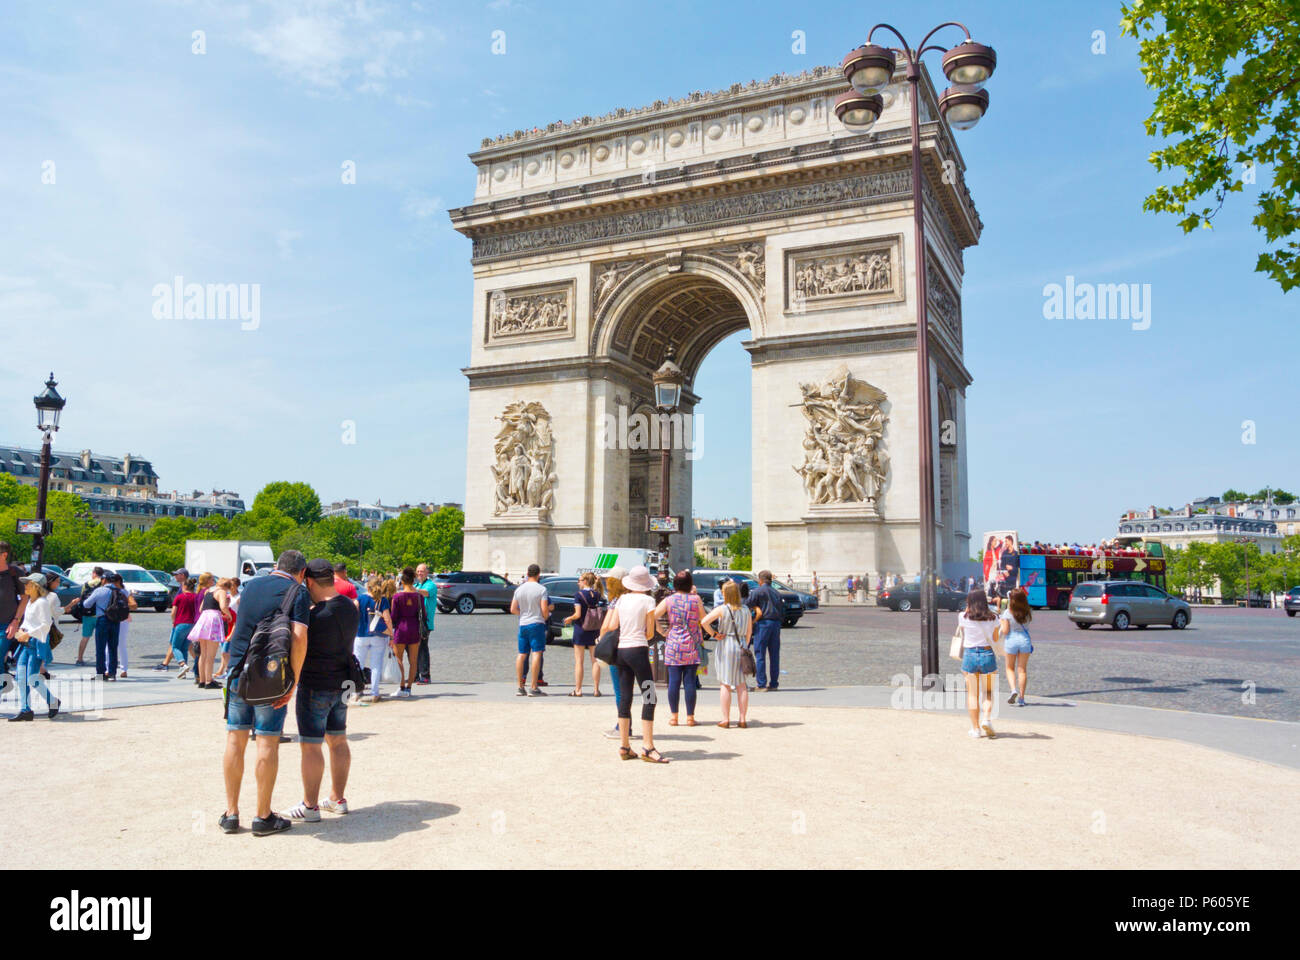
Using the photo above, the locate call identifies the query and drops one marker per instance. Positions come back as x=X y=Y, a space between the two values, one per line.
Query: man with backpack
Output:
x=269 y=642
x=109 y=605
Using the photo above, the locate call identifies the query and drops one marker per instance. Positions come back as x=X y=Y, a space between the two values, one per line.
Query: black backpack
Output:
x=119 y=607
x=265 y=671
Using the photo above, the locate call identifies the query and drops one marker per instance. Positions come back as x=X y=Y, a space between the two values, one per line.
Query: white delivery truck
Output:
x=575 y=561
x=228 y=558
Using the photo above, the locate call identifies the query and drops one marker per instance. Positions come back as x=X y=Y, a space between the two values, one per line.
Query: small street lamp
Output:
x=1246 y=555
x=869 y=69
x=49 y=408
x=668 y=396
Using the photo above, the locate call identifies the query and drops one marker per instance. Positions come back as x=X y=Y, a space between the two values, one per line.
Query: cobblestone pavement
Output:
x=1230 y=661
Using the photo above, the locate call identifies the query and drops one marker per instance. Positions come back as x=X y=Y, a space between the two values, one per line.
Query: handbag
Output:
x=748 y=665
x=955 y=647
x=55 y=637
x=606 y=649
x=356 y=677
x=592 y=619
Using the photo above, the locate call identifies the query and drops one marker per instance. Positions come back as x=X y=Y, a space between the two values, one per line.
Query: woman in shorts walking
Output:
x=978 y=626
x=1014 y=630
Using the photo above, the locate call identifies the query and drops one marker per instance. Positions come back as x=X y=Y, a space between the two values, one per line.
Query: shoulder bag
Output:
x=955 y=647
x=748 y=666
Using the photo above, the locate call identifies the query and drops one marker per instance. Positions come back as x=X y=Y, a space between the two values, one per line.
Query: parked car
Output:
x=168 y=581
x=706 y=582
x=468 y=590
x=907 y=596
x=809 y=600
x=1292 y=602
x=148 y=592
x=1124 y=603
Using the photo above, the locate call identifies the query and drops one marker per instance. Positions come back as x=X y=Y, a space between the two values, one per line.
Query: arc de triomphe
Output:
x=600 y=243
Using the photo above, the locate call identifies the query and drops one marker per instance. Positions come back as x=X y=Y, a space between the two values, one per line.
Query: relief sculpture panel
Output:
x=530 y=313
x=844 y=276
x=843 y=462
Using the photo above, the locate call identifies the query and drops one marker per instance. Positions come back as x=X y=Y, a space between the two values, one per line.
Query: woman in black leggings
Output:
x=633 y=615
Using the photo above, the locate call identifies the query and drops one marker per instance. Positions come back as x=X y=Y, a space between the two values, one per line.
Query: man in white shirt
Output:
x=532 y=605
x=717 y=594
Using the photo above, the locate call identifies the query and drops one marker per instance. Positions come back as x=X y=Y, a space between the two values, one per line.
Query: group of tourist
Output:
x=636 y=608
x=1107 y=548
x=981 y=634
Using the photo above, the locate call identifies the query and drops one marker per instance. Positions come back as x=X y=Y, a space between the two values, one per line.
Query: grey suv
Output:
x=466 y=590
x=1124 y=603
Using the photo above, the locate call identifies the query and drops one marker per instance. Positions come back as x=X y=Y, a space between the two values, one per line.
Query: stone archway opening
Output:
x=691 y=313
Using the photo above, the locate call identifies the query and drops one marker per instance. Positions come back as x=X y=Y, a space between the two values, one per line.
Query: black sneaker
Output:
x=521 y=692
x=21 y=716
x=538 y=693
x=229 y=824
x=54 y=710
x=273 y=824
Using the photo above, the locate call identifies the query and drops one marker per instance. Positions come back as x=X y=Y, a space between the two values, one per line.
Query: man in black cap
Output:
x=323 y=689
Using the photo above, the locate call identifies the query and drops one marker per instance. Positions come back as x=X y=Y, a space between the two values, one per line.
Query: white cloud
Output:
x=284 y=242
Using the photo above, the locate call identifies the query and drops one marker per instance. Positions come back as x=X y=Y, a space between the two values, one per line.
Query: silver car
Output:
x=1124 y=603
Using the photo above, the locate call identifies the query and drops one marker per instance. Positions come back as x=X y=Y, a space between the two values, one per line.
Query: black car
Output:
x=706 y=582
x=1292 y=602
x=907 y=596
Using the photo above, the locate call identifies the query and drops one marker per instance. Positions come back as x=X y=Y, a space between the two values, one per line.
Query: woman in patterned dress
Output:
x=684 y=610
x=734 y=625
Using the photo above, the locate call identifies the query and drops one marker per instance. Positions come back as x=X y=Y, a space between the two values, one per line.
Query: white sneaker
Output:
x=330 y=806
x=303 y=812
x=185 y=668
x=973 y=734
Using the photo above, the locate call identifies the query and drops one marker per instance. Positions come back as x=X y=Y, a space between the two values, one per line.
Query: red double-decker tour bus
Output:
x=1049 y=572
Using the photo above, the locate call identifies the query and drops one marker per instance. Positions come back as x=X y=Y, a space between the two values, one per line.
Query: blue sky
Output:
x=225 y=167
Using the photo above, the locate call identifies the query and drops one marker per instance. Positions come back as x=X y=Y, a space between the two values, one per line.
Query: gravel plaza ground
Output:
x=826 y=776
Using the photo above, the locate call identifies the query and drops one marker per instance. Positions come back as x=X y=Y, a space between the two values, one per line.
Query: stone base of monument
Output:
x=520 y=537
x=832 y=512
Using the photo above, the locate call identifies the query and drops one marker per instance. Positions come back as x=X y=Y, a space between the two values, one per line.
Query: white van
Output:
x=138 y=582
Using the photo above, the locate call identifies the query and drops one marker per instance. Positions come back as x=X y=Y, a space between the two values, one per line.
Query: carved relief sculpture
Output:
x=544 y=312
x=859 y=274
x=843 y=462
x=748 y=259
x=606 y=277
x=525 y=461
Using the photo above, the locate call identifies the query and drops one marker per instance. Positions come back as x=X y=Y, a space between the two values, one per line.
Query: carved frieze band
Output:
x=845 y=275
x=806 y=198
x=943 y=302
x=540 y=312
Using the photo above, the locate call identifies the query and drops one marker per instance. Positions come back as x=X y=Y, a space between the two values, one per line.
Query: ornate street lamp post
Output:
x=668 y=396
x=869 y=70
x=49 y=407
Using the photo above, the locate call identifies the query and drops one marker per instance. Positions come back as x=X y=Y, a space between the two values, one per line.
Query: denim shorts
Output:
x=1019 y=643
x=979 y=660
x=88 y=626
x=532 y=638
x=260 y=719
x=321 y=712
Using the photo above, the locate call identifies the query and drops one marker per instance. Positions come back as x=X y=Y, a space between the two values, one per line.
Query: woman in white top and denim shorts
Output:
x=979 y=625
x=1015 y=633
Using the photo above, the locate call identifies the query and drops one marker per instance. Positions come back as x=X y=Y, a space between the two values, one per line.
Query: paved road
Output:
x=1230 y=661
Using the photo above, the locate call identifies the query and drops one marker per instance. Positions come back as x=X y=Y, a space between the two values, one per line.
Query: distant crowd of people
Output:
x=619 y=616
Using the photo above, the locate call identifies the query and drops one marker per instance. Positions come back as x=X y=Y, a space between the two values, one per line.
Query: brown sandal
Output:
x=690 y=722
x=743 y=725
x=672 y=721
x=626 y=753
x=724 y=724
x=659 y=758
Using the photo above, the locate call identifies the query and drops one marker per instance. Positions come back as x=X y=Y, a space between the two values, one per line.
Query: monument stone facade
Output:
x=599 y=244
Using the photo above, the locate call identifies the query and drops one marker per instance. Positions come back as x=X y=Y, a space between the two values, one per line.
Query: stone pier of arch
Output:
x=599 y=244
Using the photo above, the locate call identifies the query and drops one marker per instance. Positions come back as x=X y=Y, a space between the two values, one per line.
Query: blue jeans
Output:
x=767 y=646
x=181 y=641
x=29 y=675
x=613 y=678
x=260 y=719
x=677 y=678
x=106 y=646
x=320 y=712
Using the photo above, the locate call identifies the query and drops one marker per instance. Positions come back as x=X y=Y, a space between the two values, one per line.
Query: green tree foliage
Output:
x=1227 y=83
x=1232 y=494
x=295 y=500
x=77 y=535
x=740 y=548
x=437 y=539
